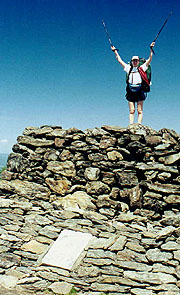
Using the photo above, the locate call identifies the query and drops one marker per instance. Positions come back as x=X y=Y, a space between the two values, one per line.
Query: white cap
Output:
x=135 y=57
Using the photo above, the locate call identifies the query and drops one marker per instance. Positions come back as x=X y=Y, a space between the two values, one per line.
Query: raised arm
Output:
x=119 y=59
x=148 y=61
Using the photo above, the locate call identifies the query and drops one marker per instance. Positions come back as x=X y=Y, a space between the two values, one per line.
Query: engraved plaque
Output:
x=66 y=249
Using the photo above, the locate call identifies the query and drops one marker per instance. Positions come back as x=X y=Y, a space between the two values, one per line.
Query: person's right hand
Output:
x=113 y=48
x=152 y=45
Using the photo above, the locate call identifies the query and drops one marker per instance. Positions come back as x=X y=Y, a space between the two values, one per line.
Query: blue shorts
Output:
x=135 y=96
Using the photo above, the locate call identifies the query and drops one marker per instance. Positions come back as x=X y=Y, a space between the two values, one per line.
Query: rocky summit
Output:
x=122 y=185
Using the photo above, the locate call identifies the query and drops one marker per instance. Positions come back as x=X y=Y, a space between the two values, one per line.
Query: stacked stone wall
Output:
x=122 y=185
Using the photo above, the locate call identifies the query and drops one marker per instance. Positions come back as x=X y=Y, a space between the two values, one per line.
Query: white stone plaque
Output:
x=66 y=249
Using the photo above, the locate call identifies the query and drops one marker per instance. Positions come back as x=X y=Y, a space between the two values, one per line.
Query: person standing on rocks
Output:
x=134 y=91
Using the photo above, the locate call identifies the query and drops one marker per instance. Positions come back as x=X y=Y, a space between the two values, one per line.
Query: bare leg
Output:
x=131 y=112
x=140 y=111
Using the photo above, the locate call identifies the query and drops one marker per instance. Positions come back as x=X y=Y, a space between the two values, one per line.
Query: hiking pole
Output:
x=109 y=39
x=161 y=29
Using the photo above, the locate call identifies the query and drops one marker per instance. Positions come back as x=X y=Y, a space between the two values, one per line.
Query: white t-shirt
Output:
x=135 y=77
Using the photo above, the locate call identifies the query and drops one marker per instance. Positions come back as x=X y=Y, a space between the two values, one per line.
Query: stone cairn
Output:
x=122 y=185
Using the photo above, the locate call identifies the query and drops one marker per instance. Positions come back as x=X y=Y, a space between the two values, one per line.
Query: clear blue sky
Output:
x=56 y=66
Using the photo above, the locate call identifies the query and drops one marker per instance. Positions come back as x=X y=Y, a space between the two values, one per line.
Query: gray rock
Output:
x=37 y=131
x=5 y=203
x=156 y=166
x=97 y=157
x=138 y=291
x=134 y=246
x=51 y=155
x=34 y=247
x=92 y=173
x=16 y=163
x=119 y=244
x=102 y=243
x=98 y=261
x=60 y=186
x=126 y=217
x=11 y=227
x=105 y=201
x=164 y=176
x=97 y=187
x=10 y=238
x=28 y=280
x=151 y=174
x=95 y=132
x=58 y=132
x=177 y=255
x=26 y=189
x=127 y=178
x=114 y=155
x=141 y=129
x=170 y=246
x=61 y=287
x=155 y=255
x=48 y=233
x=88 y=271
x=162 y=147
x=165 y=232
x=92 y=141
x=163 y=188
x=114 y=129
x=172 y=199
x=101 y=254
x=79 y=145
x=146 y=277
x=49 y=276
x=171 y=159
x=79 y=200
x=28 y=256
x=149 y=242
x=8 y=281
x=8 y=260
x=171 y=220
x=135 y=197
x=109 y=288
x=128 y=255
x=66 y=168
x=35 y=142
x=108 y=178
x=134 y=266
x=37 y=219
x=158 y=267
x=153 y=139
x=59 y=142
x=117 y=279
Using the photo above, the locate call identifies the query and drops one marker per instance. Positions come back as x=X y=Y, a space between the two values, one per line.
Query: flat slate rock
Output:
x=66 y=249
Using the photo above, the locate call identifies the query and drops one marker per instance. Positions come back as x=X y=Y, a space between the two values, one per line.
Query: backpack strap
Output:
x=143 y=75
x=127 y=80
